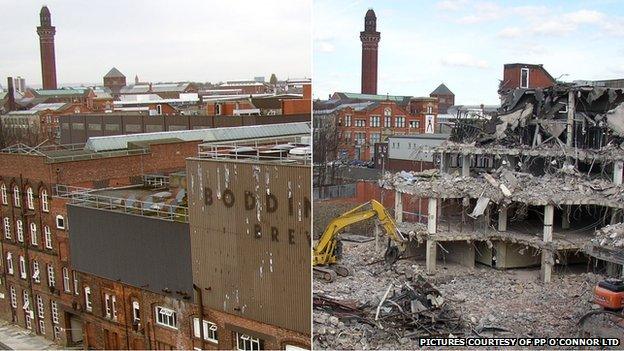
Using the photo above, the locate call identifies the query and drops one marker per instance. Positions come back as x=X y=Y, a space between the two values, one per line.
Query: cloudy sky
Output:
x=464 y=43
x=160 y=40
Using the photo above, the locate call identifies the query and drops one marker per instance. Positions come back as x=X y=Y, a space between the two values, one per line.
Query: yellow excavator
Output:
x=328 y=250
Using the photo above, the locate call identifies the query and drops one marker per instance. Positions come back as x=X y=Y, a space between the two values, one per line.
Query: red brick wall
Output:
x=538 y=78
x=296 y=106
x=367 y=149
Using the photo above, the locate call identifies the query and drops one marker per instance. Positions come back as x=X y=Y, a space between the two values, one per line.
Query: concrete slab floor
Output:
x=13 y=337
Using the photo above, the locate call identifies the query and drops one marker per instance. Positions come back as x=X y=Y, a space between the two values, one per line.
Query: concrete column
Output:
x=570 y=120
x=617 y=172
x=398 y=207
x=376 y=238
x=431 y=255
x=443 y=163
x=433 y=216
x=547 y=255
x=565 y=218
x=465 y=165
x=502 y=219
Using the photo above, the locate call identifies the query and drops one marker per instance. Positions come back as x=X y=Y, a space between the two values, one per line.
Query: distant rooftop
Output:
x=114 y=73
x=371 y=97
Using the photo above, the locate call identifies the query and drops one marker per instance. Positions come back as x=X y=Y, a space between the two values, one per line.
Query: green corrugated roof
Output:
x=396 y=98
x=64 y=91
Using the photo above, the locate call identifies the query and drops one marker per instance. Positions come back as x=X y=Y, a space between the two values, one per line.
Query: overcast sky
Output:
x=464 y=43
x=160 y=40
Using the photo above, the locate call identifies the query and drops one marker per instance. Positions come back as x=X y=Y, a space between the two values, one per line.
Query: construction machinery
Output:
x=328 y=250
x=607 y=322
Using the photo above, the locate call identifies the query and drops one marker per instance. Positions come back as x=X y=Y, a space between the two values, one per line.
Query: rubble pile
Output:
x=488 y=302
x=537 y=116
x=566 y=186
x=610 y=236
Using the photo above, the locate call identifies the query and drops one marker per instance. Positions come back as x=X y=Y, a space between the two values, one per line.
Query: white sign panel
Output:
x=429 y=124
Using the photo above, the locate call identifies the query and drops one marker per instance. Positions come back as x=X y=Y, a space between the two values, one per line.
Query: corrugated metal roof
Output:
x=119 y=142
x=63 y=91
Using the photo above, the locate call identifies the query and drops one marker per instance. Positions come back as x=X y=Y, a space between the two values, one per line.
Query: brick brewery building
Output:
x=80 y=296
x=370 y=43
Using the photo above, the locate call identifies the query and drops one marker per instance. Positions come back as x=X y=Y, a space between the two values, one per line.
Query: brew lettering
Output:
x=257 y=231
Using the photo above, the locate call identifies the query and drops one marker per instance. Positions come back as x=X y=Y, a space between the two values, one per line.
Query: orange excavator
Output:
x=607 y=322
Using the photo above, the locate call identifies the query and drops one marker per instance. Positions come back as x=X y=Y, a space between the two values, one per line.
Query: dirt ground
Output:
x=515 y=300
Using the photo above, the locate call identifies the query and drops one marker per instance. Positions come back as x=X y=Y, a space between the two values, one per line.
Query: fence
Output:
x=334 y=191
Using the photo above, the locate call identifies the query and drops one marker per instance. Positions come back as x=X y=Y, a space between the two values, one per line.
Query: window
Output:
x=42 y=326
x=40 y=309
x=246 y=342
x=54 y=309
x=136 y=312
x=360 y=123
x=387 y=111
x=111 y=127
x=60 y=222
x=33 y=234
x=524 y=78
x=13 y=297
x=22 y=267
x=387 y=121
x=44 y=201
x=36 y=277
x=414 y=124
x=400 y=122
x=51 y=278
x=210 y=330
x=375 y=121
x=94 y=127
x=166 y=317
x=66 y=286
x=20 y=230
x=7 y=228
x=48 y=237
x=347 y=121
x=360 y=138
x=429 y=109
x=107 y=306
x=114 y=306
x=87 y=293
x=30 y=199
x=75 y=276
x=159 y=109
x=375 y=138
x=347 y=137
x=3 y=194
x=16 y=196
x=57 y=332
x=10 y=262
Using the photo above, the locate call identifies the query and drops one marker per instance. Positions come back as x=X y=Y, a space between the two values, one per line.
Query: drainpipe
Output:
x=200 y=300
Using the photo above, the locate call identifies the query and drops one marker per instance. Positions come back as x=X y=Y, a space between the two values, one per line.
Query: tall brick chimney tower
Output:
x=46 y=44
x=370 y=42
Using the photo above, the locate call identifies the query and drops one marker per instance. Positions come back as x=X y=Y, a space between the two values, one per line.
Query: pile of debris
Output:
x=565 y=186
x=413 y=309
x=610 y=236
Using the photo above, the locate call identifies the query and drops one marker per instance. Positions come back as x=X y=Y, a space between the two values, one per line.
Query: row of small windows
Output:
x=375 y=121
x=34 y=240
x=30 y=198
x=36 y=276
x=29 y=314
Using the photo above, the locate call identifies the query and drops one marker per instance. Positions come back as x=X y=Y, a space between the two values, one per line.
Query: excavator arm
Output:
x=325 y=250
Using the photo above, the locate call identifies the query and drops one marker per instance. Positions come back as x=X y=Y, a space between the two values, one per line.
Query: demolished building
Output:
x=535 y=183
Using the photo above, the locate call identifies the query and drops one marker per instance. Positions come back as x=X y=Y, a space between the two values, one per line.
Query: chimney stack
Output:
x=11 y=95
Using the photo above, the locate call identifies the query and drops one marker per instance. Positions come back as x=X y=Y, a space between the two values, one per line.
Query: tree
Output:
x=325 y=145
x=273 y=79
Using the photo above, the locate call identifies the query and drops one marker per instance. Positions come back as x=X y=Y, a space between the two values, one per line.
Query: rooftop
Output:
x=114 y=73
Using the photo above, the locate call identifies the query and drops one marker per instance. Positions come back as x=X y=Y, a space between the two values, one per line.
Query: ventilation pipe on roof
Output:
x=10 y=95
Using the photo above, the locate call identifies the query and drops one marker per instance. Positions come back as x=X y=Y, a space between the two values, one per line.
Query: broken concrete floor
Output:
x=515 y=300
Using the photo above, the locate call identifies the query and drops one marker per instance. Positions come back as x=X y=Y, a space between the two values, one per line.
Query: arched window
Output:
x=60 y=222
x=30 y=199
x=44 y=201
x=47 y=237
x=33 y=234
x=16 y=196
x=3 y=194
x=20 y=230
